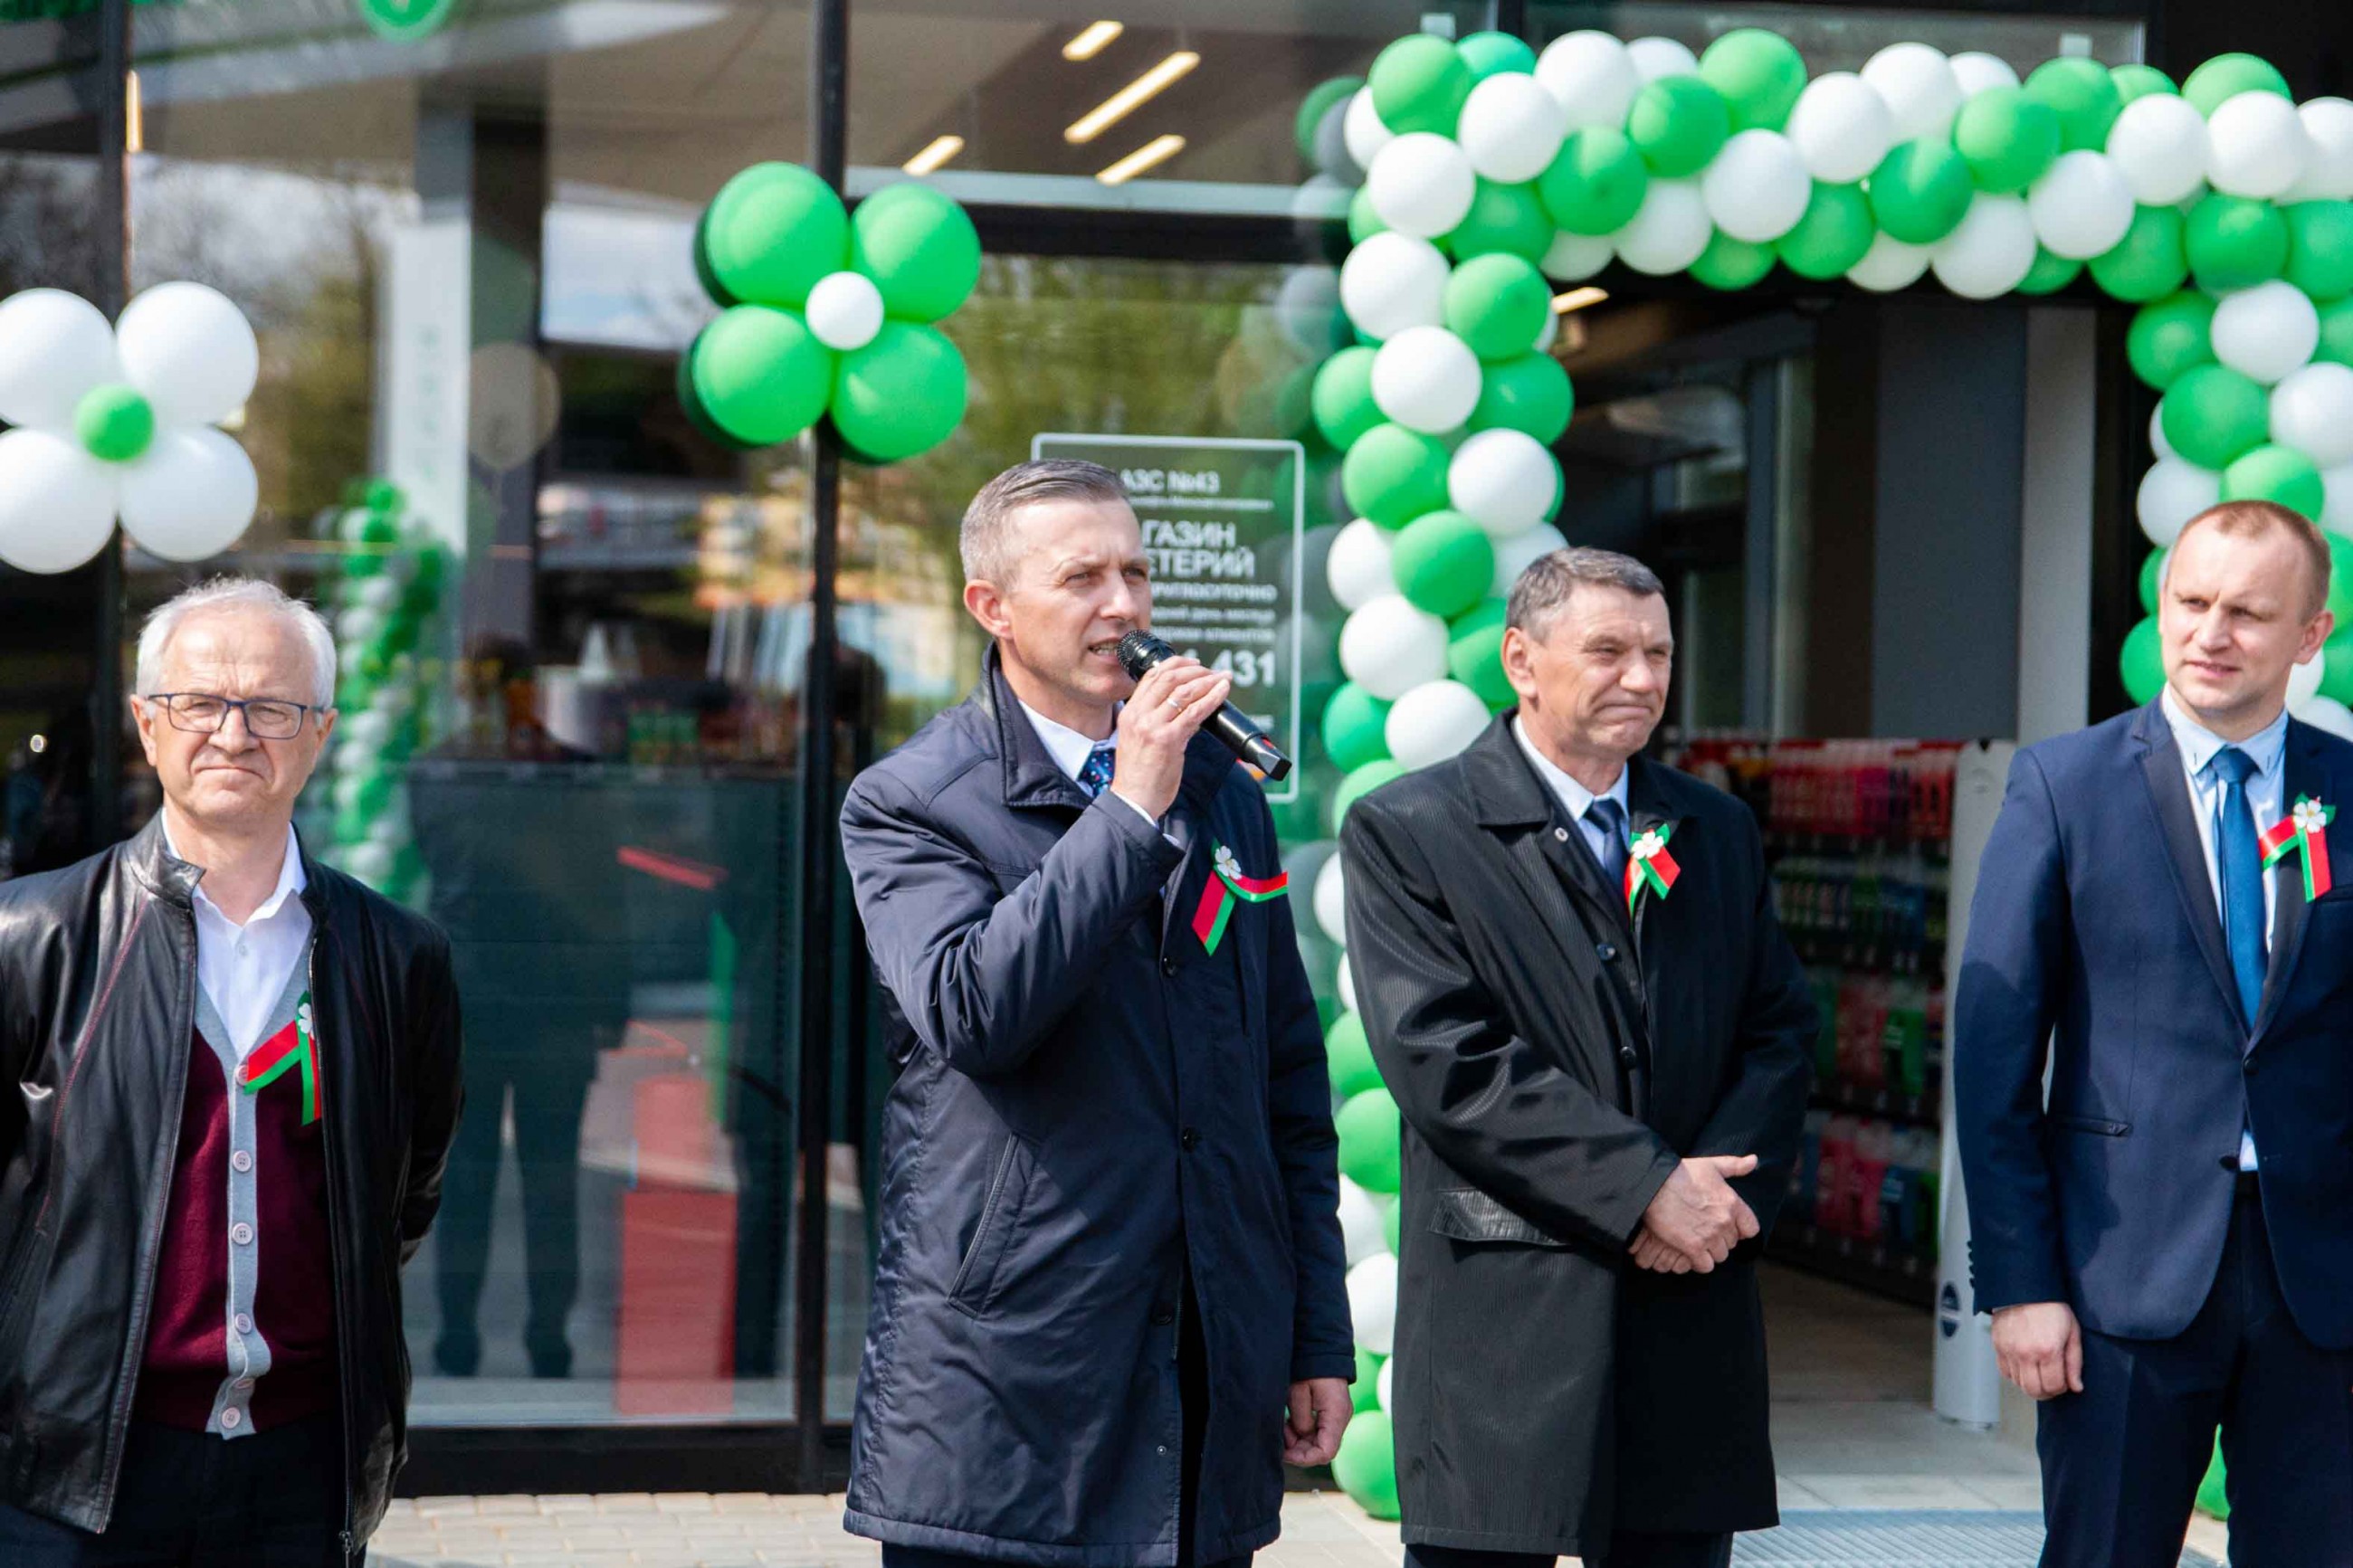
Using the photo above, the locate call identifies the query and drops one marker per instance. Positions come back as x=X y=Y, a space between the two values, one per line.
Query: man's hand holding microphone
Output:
x=1171 y=702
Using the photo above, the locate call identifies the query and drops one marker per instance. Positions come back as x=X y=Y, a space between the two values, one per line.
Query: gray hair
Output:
x=1544 y=589
x=983 y=542
x=224 y=595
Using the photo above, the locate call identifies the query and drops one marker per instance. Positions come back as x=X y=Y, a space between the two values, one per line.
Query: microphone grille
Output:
x=1139 y=651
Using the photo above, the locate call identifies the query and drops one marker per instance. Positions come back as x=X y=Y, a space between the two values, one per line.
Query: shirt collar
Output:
x=1572 y=795
x=291 y=878
x=1067 y=746
x=2265 y=748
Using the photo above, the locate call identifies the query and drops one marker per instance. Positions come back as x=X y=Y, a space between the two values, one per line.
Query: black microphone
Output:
x=1140 y=651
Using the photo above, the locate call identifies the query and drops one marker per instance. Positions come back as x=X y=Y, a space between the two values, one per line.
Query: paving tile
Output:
x=1891 y=1491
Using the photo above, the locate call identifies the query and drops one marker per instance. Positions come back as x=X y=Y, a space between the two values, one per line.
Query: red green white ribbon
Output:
x=294 y=1047
x=1224 y=889
x=2305 y=831
x=1648 y=864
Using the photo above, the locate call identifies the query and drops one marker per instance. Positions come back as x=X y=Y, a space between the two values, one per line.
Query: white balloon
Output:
x=1574 y=257
x=1385 y=1381
x=1511 y=128
x=1655 y=57
x=1920 y=88
x=1393 y=281
x=1343 y=983
x=1976 y=72
x=2304 y=680
x=1362 y=1233
x=1363 y=131
x=56 y=502
x=1670 y=230
x=1426 y=379
x=1358 y=566
x=1521 y=550
x=2265 y=331
x=1307 y=306
x=2328 y=172
x=2257 y=145
x=54 y=348
x=1992 y=250
x=1504 y=480
x=1840 y=127
x=1372 y=1303
x=1756 y=187
x=190 y=350
x=2081 y=206
x=1320 y=198
x=1389 y=647
x=1331 y=901
x=1592 y=77
x=2160 y=147
x=1433 y=722
x=2171 y=493
x=845 y=311
x=2337 y=504
x=2157 y=441
x=1546 y=333
x=1421 y=185
x=2321 y=713
x=191 y=496
x=2312 y=411
x=1890 y=264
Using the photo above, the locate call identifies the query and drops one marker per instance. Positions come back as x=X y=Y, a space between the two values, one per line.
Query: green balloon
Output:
x=2227 y=76
x=1393 y=475
x=2336 y=675
x=769 y=235
x=1921 y=191
x=2138 y=81
x=2008 y=137
x=757 y=376
x=1358 y=780
x=1444 y=562
x=1419 y=84
x=2341 y=576
x=1363 y=221
x=1365 y=1393
x=1595 y=184
x=1365 y=1465
x=1509 y=219
x=1393 y=1225
x=1474 y=654
x=919 y=248
x=1369 y=1133
x=115 y=424
x=2049 y=274
x=1530 y=393
x=2142 y=662
x=1343 y=397
x=1497 y=304
x=2214 y=415
x=2276 y=473
x=1495 y=54
x=2335 y=332
x=2149 y=262
x=1760 y=75
x=901 y=394
x=1355 y=728
x=2235 y=242
x=2083 y=96
x=1678 y=123
x=1348 y=1055
x=2169 y=336
x=2152 y=580
x=2320 y=249
x=1834 y=234
x=1730 y=264
x=1315 y=106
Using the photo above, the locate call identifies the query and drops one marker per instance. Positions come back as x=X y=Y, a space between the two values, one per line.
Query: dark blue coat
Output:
x=2095 y=917
x=1088 y=1099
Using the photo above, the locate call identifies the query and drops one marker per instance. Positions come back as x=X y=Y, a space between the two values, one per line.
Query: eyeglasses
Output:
x=202 y=713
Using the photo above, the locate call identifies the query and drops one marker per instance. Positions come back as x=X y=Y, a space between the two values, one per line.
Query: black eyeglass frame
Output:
x=243 y=705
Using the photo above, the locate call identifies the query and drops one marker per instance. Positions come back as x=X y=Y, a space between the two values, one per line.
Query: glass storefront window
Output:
x=1841 y=37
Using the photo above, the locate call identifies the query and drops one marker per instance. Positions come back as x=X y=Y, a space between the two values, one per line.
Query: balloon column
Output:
x=827 y=314
x=119 y=421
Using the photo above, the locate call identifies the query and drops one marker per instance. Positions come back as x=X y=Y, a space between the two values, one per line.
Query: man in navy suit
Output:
x=2166 y=1244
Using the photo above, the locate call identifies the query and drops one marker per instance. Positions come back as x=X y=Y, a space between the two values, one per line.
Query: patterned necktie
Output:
x=1095 y=774
x=2241 y=866
x=1611 y=817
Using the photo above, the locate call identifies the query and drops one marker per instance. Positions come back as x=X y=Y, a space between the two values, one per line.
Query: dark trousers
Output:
x=1627 y=1548
x=188 y=1500
x=2122 y=1461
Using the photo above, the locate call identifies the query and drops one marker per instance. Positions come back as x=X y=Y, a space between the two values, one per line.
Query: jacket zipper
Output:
x=335 y=1238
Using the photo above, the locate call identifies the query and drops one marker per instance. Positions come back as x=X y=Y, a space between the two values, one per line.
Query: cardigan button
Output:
x=242 y=1160
x=244 y=1322
x=241 y=1234
x=231 y=1419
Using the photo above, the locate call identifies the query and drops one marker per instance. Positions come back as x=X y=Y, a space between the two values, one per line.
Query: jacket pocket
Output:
x=2069 y=1121
x=1466 y=1214
x=975 y=1289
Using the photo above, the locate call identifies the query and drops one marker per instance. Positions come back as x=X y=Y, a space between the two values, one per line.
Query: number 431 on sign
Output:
x=1247 y=668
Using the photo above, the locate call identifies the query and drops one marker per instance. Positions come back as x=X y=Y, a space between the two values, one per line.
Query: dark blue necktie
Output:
x=1611 y=817
x=2241 y=866
x=1095 y=774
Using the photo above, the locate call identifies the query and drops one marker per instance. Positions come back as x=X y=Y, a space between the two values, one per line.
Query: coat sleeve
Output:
x=982 y=975
x=2009 y=994
x=1764 y=1111
x=437 y=1081
x=1488 y=1103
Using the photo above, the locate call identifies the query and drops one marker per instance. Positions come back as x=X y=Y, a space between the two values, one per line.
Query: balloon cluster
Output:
x=118 y=421
x=829 y=315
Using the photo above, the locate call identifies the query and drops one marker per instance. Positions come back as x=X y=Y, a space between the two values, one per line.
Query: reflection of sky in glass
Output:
x=620 y=277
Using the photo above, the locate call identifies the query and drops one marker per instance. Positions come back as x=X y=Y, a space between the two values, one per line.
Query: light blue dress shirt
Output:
x=1574 y=796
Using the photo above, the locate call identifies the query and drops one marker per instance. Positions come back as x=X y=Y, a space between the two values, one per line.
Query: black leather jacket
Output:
x=98 y=992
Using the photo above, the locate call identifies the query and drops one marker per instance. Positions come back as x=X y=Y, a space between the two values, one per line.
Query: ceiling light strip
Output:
x=1092 y=40
x=1130 y=98
x=941 y=150
x=1157 y=151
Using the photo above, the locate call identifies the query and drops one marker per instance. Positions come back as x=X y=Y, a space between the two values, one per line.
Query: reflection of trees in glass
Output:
x=48 y=229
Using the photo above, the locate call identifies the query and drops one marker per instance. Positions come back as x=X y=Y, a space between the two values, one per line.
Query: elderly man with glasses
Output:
x=236 y=1080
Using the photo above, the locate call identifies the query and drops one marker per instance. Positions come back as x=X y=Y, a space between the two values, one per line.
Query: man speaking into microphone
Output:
x=1108 y=1303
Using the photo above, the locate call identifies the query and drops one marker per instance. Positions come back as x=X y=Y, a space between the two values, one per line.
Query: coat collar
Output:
x=1505 y=791
x=1032 y=777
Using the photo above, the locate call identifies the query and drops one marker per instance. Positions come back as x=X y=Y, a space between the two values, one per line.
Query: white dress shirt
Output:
x=1069 y=748
x=244 y=968
x=1576 y=797
x=2266 y=796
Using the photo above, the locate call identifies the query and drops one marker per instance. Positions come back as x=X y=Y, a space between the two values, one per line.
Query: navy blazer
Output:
x=2095 y=918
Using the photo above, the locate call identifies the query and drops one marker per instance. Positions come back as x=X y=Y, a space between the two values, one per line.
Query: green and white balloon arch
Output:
x=1485 y=173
